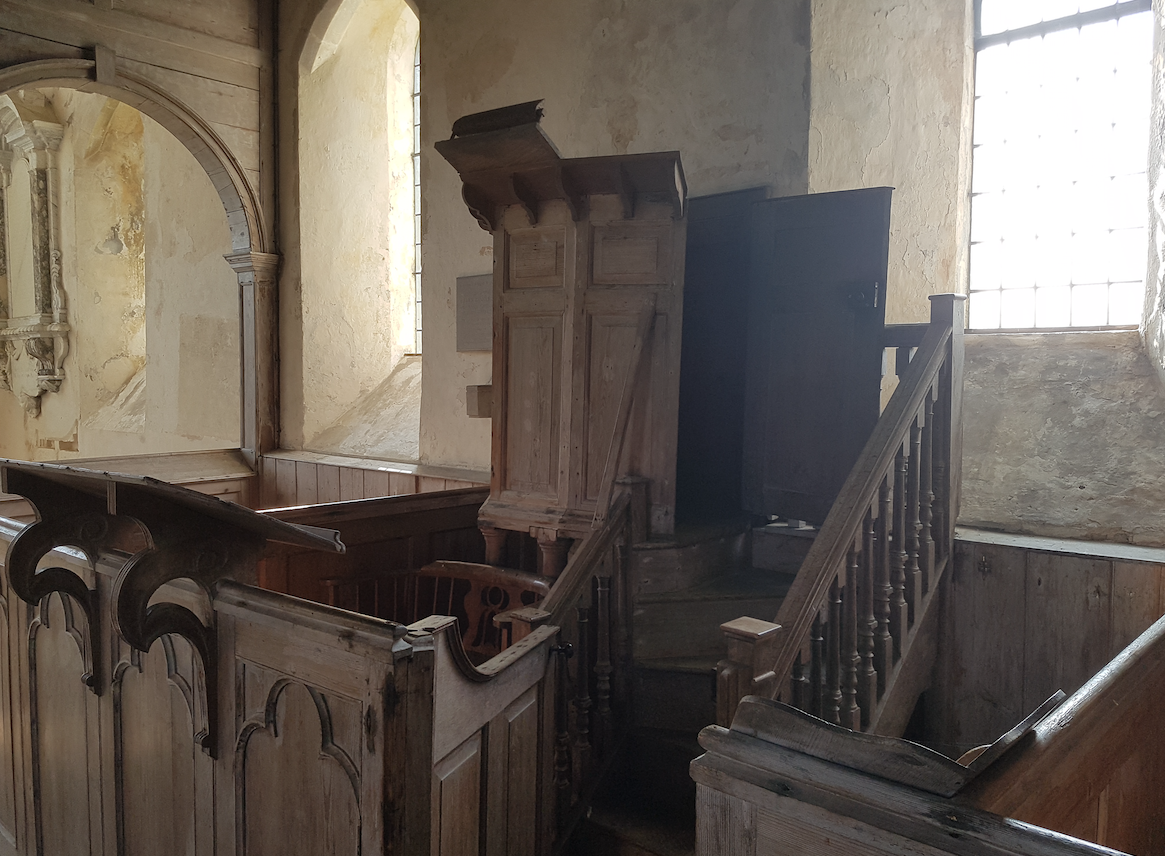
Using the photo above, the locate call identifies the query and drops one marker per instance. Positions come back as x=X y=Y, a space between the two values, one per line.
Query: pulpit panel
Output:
x=533 y=348
x=610 y=342
x=537 y=259
x=632 y=254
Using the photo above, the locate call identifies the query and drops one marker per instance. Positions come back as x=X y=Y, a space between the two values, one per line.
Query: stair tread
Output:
x=645 y=829
x=679 y=664
x=751 y=583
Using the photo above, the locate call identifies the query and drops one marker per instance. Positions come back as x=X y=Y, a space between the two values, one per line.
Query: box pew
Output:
x=154 y=699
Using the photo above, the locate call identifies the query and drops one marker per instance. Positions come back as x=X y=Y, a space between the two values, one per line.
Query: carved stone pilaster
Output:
x=259 y=299
x=43 y=336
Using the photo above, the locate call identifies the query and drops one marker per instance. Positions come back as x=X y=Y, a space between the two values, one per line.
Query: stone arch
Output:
x=252 y=256
x=239 y=199
x=327 y=31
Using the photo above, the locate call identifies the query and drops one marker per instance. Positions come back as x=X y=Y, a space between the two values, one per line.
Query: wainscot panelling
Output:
x=1026 y=617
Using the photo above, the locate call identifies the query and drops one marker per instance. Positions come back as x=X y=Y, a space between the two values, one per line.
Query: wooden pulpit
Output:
x=587 y=301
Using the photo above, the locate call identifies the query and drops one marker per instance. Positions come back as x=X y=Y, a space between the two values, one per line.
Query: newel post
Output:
x=258 y=311
x=748 y=668
x=950 y=310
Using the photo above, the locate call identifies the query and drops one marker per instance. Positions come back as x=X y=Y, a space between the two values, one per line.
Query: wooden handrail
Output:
x=841 y=527
x=581 y=566
x=864 y=591
x=1080 y=752
x=816 y=795
x=903 y=335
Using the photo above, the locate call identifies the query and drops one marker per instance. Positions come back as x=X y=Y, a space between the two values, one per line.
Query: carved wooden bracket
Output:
x=93 y=532
x=169 y=533
x=180 y=549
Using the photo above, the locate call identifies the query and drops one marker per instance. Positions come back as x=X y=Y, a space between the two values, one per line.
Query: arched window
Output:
x=355 y=365
x=417 y=191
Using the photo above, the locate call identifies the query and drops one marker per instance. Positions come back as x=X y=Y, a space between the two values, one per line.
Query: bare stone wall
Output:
x=1064 y=436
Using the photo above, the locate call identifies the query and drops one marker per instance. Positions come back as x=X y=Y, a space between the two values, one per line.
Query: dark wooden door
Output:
x=714 y=355
x=817 y=307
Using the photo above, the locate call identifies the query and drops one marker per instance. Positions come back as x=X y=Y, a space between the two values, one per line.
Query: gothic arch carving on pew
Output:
x=40 y=621
x=269 y=723
x=194 y=703
x=184 y=552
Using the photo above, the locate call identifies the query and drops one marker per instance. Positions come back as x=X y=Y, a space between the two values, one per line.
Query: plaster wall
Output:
x=191 y=308
x=1154 y=316
x=353 y=300
x=725 y=82
x=142 y=233
x=1064 y=436
x=892 y=94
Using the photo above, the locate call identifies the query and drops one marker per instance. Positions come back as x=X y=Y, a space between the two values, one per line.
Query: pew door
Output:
x=817 y=307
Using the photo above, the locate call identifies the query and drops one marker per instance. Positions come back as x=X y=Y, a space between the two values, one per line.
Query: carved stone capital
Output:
x=261 y=267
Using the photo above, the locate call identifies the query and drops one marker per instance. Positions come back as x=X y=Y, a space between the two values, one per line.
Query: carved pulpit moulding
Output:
x=29 y=141
x=158 y=533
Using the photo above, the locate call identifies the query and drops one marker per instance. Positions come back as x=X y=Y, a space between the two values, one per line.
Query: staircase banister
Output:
x=1084 y=741
x=579 y=568
x=842 y=525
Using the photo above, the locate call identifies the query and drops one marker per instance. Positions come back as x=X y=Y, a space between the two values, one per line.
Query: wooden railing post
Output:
x=949 y=309
x=848 y=618
x=747 y=668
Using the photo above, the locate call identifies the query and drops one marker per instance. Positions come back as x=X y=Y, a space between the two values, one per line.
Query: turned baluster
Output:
x=817 y=667
x=925 y=537
x=620 y=625
x=800 y=687
x=603 y=664
x=562 y=776
x=913 y=525
x=883 y=589
x=941 y=445
x=851 y=714
x=867 y=623
x=832 y=711
x=899 y=610
x=582 y=695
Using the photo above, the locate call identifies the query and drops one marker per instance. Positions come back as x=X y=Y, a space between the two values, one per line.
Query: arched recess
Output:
x=238 y=197
x=327 y=31
x=251 y=259
x=353 y=377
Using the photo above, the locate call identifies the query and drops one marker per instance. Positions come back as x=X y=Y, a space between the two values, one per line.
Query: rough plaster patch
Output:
x=1064 y=437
